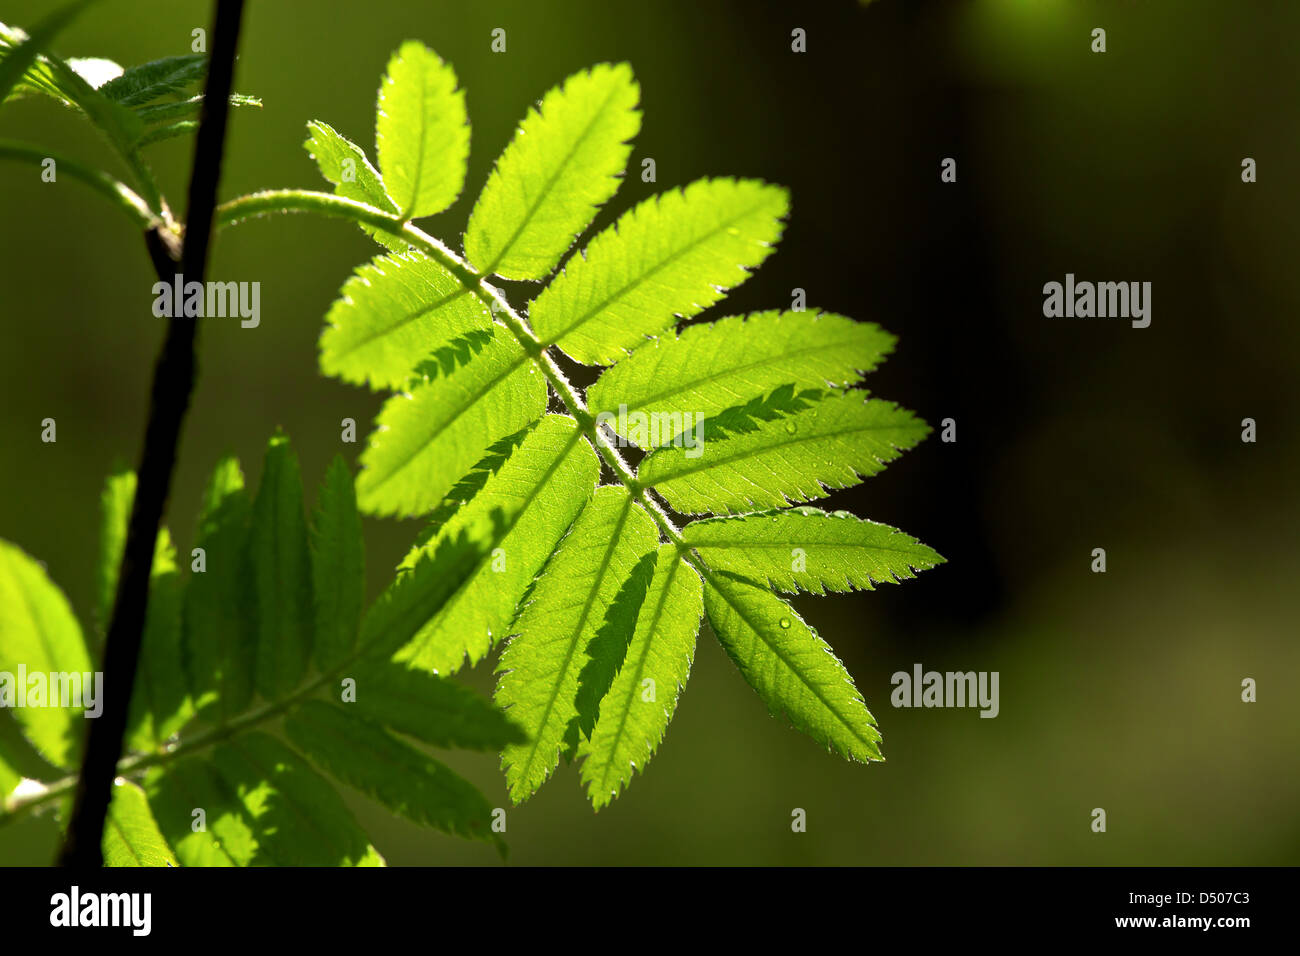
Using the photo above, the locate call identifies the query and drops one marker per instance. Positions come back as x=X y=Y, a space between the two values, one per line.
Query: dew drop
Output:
x=785 y=622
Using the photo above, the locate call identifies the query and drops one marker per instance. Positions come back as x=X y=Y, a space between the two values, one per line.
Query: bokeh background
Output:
x=1118 y=690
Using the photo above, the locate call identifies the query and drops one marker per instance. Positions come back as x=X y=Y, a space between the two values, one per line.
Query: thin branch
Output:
x=172 y=385
x=122 y=195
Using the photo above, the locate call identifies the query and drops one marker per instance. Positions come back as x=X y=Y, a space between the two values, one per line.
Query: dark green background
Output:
x=1118 y=691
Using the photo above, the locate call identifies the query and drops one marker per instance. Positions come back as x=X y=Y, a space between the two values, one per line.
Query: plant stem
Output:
x=271 y=202
x=121 y=194
x=172 y=385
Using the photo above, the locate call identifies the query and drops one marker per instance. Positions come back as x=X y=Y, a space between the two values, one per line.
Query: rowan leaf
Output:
x=565 y=161
x=805 y=549
x=714 y=366
x=570 y=605
x=790 y=667
x=830 y=444
x=281 y=570
x=361 y=754
x=393 y=313
x=218 y=615
x=428 y=439
x=634 y=715
x=670 y=257
x=421 y=132
x=131 y=836
x=338 y=567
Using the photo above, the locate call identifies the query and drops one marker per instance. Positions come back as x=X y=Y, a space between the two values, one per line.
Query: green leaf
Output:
x=64 y=81
x=170 y=131
x=19 y=759
x=672 y=256
x=39 y=636
x=218 y=620
x=714 y=366
x=569 y=604
x=634 y=715
x=20 y=54
x=115 y=503
x=421 y=132
x=565 y=161
x=805 y=549
x=149 y=81
x=539 y=490
x=131 y=836
x=791 y=668
x=418 y=594
x=833 y=444
x=436 y=710
x=10 y=776
x=179 y=791
x=281 y=567
x=338 y=567
x=497 y=454
x=361 y=754
x=429 y=439
x=344 y=164
x=160 y=702
x=392 y=313
x=297 y=818
x=40 y=77
x=183 y=109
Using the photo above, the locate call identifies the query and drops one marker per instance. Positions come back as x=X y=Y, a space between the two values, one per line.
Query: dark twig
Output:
x=169 y=400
